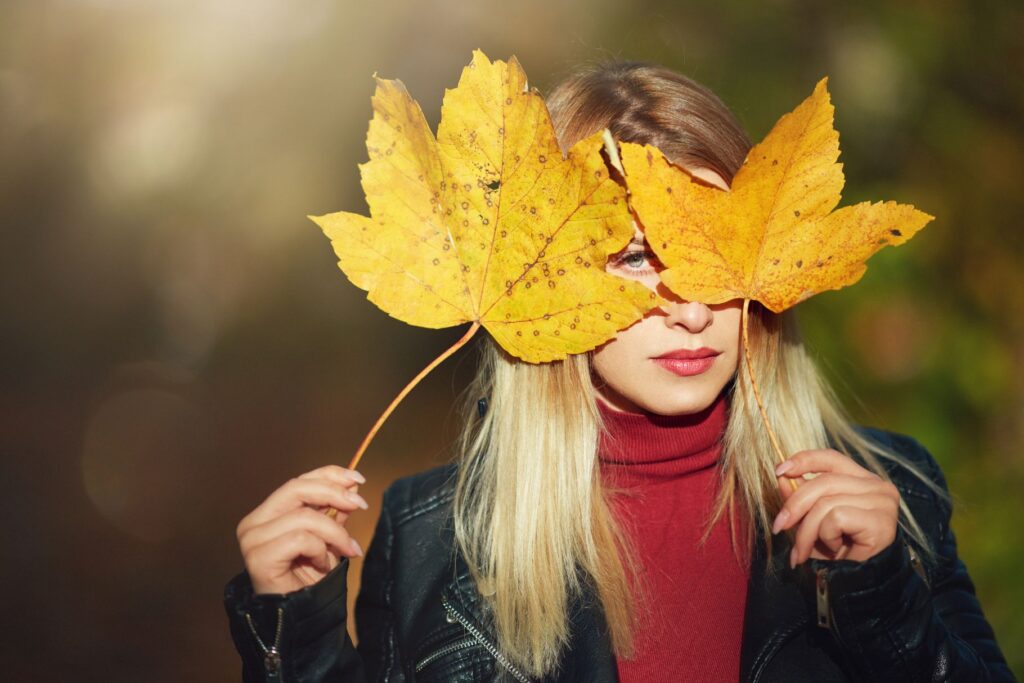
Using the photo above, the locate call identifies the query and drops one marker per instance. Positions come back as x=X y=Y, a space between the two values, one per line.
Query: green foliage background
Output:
x=177 y=340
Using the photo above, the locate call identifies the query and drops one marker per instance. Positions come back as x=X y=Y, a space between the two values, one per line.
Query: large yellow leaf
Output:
x=775 y=236
x=489 y=223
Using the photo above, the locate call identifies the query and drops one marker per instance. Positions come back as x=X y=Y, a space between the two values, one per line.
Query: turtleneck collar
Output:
x=649 y=446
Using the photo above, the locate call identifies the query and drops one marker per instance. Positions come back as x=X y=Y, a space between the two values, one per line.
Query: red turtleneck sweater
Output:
x=698 y=593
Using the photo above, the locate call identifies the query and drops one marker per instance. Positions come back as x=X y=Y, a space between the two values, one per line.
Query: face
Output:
x=649 y=366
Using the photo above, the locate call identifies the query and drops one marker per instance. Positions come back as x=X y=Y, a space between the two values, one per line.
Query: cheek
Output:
x=621 y=356
x=606 y=360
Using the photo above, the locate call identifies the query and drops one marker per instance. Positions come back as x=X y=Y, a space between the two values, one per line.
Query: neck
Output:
x=658 y=446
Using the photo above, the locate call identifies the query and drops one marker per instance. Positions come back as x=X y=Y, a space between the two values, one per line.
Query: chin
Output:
x=669 y=406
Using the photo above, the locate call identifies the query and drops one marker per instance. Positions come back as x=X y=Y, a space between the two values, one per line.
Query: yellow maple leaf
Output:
x=774 y=237
x=489 y=223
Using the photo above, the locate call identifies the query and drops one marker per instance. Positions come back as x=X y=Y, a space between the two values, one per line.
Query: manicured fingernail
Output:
x=358 y=500
x=783 y=468
x=355 y=547
x=358 y=477
x=792 y=558
x=780 y=520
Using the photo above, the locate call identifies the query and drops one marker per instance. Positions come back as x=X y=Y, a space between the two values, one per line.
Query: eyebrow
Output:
x=639 y=241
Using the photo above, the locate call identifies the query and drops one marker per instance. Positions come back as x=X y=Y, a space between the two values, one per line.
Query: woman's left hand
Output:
x=845 y=512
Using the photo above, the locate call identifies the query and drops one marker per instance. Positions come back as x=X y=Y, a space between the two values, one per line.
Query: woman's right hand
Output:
x=288 y=542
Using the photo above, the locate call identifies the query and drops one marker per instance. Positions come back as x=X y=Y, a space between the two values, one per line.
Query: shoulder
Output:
x=415 y=495
x=912 y=456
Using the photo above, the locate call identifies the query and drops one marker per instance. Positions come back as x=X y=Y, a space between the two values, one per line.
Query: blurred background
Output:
x=177 y=340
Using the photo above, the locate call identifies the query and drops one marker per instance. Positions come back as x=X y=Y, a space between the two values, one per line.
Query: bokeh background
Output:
x=177 y=340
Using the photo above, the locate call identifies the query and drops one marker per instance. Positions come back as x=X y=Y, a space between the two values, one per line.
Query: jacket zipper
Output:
x=468 y=641
x=821 y=598
x=454 y=615
x=271 y=655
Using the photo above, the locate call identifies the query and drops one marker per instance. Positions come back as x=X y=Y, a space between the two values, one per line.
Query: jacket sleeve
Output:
x=306 y=629
x=895 y=624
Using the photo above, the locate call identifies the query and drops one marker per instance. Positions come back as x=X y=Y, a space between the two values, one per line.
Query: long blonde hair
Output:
x=531 y=515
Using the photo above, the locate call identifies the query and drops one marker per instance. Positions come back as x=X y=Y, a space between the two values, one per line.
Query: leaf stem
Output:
x=757 y=392
x=331 y=512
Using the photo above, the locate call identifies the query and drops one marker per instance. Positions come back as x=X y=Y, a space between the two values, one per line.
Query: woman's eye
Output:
x=635 y=261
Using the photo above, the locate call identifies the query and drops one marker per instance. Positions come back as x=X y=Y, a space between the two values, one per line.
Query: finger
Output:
x=349 y=488
x=786 y=488
x=337 y=474
x=809 y=530
x=275 y=557
x=828 y=484
x=298 y=492
x=821 y=460
x=868 y=531
x=302 y=519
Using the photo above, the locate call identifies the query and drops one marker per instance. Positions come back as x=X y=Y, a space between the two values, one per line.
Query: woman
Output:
x=618 y=515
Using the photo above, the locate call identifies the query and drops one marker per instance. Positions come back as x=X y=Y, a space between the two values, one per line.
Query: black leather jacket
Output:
x=419 y=617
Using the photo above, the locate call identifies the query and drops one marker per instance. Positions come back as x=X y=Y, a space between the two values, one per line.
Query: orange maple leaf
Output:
x=489 y=223
x=774 y=237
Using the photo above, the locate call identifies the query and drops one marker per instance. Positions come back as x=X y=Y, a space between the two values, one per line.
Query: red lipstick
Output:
x=686 y=362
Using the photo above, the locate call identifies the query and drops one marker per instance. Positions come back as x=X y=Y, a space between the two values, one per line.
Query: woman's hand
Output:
x=845 y=512
x=288 y=542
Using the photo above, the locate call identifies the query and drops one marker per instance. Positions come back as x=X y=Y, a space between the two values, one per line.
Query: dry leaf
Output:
x=775 y=236
x=489 y=223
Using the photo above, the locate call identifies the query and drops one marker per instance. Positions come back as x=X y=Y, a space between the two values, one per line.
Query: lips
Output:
x=688 y=354
x=687 y=362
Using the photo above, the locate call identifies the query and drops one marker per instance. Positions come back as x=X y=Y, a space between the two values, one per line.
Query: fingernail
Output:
x=783 y=468
x=358 y=477
x=780 y=520
x=355 y=547
x=792 y=558
x=358 y=500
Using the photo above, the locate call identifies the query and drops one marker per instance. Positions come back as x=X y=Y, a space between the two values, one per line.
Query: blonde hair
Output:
x=531 y=515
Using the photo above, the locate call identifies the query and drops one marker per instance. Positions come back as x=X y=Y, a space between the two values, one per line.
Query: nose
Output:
x=692 y=315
